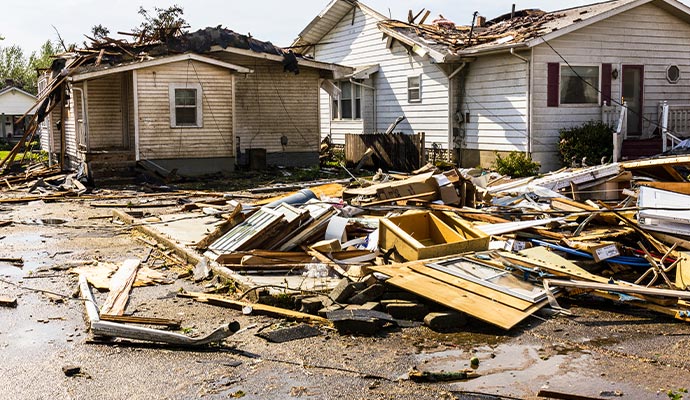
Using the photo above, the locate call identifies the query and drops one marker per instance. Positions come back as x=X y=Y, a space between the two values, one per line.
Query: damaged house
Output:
x=196 y=103
x=510 y=83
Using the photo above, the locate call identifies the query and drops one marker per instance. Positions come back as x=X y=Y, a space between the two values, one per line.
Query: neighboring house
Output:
x=509 y=84
x=195 y=105
x=13 y=104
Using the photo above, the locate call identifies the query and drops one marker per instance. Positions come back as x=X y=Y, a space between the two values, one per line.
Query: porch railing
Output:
x=617 y=118
x=674 y=123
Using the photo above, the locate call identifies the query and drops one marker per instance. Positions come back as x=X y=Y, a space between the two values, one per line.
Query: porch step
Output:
x=641 y=148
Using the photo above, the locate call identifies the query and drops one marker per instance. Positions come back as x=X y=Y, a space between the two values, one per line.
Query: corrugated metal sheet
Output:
x=246 y=231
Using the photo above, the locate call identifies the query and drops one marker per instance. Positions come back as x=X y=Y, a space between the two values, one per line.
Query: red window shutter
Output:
x=552 y=78
x=606 y=83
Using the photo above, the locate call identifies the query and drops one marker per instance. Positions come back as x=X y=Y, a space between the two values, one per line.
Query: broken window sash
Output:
x=491 y=277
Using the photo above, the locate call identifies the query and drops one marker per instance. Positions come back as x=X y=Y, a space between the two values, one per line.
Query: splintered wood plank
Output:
x=480 y=307
x=120 y=285
x=476 y=288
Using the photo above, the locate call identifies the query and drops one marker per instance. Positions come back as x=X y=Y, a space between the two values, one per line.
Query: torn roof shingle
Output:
x=502 y=31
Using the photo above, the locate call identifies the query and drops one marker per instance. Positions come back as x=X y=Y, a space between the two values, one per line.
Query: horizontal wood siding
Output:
x=646 y=35
x=496 y=102
x=105 y=112
x=72 y=155
x=325 y=114
x=157 y=140
x=361 y=43
x=270 y=103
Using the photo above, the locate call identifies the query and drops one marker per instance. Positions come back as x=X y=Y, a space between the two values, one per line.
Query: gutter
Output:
x=528 y=96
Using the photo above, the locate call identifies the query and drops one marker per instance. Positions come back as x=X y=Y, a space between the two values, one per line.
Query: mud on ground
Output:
x=605 y=349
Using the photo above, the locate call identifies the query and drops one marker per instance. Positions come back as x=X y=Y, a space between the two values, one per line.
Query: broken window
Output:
x=185 y=105
x=414 y=89
x=579 y=84
x=349 y=105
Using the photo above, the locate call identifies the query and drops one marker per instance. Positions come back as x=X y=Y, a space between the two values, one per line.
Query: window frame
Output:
x=668 y=78
x=561 y=83
x=172 y=88
x=355 y=100
x=418 y=88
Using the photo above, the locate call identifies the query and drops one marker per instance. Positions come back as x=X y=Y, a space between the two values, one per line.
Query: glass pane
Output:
x=413 y=94
x=346 y=87
x=335 y=109
x=185 y=97
x=579 y=85
x=185 y=116
x=413 y=82
x=358 y=91
x=358 y=109
x=346 y=109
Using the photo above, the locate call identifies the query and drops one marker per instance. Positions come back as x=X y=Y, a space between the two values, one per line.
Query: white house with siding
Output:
x=195 y=112
x=508 y=84
x=14 y=102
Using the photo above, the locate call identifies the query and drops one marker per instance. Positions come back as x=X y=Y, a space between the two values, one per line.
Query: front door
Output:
x=633 y=93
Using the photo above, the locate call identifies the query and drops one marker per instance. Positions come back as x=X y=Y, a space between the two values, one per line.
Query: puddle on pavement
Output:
x=513 y=369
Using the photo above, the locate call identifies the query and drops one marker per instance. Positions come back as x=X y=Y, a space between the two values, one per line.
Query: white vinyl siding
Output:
x=360 y=43
x=646 y=35
x=496 y=103
x=185 y=105
x=105 y=108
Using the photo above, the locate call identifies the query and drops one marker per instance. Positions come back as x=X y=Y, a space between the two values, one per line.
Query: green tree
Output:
x=21 y=71
x=162 y=24
x=39 y=61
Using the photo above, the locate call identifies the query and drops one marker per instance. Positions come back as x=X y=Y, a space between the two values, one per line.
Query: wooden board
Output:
x=464 y=284
x=480 y=307
x=120 y=285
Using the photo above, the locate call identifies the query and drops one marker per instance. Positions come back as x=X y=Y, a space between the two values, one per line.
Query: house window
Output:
x=673 y=74
x=349 y=105
x=185 y=105
x=414 y=89
x=579 y=84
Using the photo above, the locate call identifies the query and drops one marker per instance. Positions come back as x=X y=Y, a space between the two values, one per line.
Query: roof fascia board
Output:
x=160 y=61
x=435 y=55
x=493 y=50
x=9 y=89
x=338 y=70
x=573 y=27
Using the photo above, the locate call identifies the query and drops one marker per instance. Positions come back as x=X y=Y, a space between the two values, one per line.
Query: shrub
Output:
x=516 y=164
x=593 y=140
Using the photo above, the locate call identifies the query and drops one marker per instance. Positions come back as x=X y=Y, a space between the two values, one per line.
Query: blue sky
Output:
x=28 y=23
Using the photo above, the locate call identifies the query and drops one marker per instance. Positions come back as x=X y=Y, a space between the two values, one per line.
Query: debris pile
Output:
x=437 y=247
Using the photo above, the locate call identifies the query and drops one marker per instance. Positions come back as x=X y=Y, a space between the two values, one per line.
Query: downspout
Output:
x=450 y=107
x=373 y=89
x=528 y=99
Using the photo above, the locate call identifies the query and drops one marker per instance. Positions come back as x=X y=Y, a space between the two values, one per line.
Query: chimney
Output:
x=480 y=21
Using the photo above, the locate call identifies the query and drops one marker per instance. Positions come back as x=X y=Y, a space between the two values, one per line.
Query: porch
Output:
x=671 y=127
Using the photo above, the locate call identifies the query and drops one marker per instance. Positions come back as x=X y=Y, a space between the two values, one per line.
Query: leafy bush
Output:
x=593 y=140
x=516 y=164
x=4 y=145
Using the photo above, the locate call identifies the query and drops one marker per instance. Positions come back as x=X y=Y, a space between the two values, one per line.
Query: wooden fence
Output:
x=391 y=152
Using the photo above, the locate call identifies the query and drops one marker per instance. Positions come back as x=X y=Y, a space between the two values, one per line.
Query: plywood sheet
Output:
x=453 y=297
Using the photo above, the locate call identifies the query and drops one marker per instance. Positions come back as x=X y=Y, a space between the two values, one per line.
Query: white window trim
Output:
x=353 y=101
x=410 y=100
x=668 y=79
x=560 y=86
x=199 y=97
